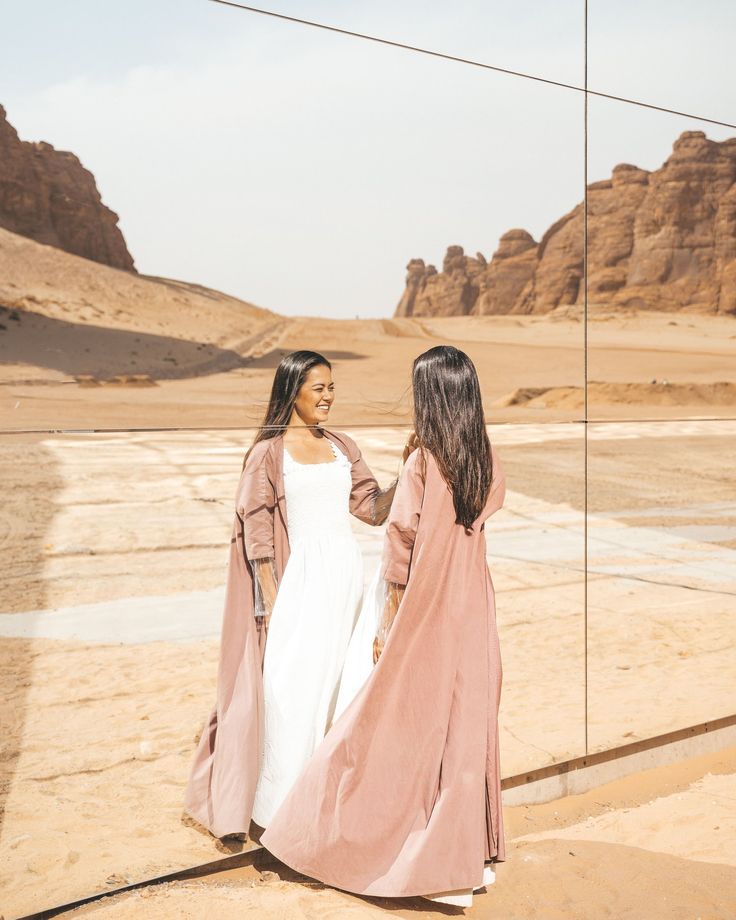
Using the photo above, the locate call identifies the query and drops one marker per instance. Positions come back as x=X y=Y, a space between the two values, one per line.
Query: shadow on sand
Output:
x=79 y=349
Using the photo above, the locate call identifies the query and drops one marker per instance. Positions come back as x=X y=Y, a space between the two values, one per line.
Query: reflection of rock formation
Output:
x=659 y=240
x=49 y=196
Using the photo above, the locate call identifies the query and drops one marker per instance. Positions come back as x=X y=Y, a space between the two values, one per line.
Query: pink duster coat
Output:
x=403 y=796
x=223 y=778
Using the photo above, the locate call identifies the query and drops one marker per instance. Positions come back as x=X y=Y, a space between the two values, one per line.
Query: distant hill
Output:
x=662 y=240
x=48 y=196
x=63 y=316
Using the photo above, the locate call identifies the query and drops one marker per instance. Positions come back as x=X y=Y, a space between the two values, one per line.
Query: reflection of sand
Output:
x=109 y=729
x=22 y=514
x=660 y=559
x=372 y=371
x=212 y=356
x=97 y=791
x=633 y=396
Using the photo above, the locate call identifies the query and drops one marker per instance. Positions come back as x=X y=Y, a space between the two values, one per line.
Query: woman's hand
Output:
x=394 y=594
x=266 y=589
x=383 y=627
x=411 y=445
x=270 y=590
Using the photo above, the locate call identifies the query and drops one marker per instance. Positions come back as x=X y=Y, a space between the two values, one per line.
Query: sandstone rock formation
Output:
x=47 y=195
x=663 y=240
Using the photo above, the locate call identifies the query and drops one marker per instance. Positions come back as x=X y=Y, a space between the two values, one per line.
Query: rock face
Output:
x=47 y=195
x=662 y=240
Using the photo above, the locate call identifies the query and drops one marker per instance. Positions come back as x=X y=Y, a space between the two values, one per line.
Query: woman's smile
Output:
x=317 y=386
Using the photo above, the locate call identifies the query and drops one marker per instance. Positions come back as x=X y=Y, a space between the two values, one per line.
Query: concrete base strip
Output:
x=572 y=777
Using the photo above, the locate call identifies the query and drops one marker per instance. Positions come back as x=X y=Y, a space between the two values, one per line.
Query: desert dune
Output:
x=88 y=346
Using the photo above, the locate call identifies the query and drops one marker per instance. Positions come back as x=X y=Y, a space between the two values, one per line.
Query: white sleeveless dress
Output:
x=316 y=608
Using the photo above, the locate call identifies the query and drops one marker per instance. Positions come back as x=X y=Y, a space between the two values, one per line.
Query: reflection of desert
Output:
x=112 y=607
x=88 y=346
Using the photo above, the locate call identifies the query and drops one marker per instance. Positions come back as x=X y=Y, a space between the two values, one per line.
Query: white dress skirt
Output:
x=317 y=605
x=359 y=655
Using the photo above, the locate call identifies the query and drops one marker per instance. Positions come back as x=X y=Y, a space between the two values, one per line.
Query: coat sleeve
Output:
x=256 y=503
x=403 y=522
x=368 y=501
x=498 y=486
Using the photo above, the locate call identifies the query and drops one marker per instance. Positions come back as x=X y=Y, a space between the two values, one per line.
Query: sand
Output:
x=572 y=859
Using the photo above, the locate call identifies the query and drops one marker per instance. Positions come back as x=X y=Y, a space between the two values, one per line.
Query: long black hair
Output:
x=449 y=422
x=288 y=380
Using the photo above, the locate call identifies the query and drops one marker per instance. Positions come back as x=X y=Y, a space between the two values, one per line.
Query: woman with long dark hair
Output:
x=295 y=583
x=403 y=796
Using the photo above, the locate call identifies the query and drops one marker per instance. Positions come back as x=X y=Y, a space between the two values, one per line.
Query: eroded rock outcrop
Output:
x=662 y=240
x=47 y=195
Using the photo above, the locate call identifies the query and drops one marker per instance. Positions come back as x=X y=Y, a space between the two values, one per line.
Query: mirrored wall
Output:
x=661 y=337
x=451 y=208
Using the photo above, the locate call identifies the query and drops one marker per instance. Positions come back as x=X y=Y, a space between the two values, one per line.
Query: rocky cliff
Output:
x=47 y=195
x=663 y=240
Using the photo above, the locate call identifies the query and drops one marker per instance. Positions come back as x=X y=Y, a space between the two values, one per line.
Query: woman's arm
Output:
x=394 y=594
x=256 y=503
x=266 y=587
x=398 y=546
x=497 y=492
x=403 y=521
x=368 y=501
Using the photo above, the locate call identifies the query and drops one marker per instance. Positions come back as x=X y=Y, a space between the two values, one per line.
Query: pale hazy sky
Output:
x=301 y=170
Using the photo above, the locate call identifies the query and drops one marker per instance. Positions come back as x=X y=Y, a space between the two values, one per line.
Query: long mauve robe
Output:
x=403 y=796
x=224 y=774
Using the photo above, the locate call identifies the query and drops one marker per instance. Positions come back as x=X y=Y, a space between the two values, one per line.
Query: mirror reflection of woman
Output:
x=403 y=796
x=295 y=583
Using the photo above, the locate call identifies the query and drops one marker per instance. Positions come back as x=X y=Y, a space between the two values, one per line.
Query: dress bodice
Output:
x=317 y=497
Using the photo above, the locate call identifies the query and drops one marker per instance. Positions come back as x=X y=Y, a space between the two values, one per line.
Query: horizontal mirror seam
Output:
x=594 y=421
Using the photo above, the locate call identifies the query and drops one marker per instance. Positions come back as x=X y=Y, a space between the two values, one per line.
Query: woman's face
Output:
x=315 y=397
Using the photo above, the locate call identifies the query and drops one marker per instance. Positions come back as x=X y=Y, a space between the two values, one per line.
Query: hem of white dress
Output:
x=463 y=897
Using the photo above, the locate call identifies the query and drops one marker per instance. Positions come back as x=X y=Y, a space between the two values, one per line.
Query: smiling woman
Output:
x=294 y=592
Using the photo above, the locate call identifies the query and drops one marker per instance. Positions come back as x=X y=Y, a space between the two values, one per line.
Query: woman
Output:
x=402 y=798
x=296 y=577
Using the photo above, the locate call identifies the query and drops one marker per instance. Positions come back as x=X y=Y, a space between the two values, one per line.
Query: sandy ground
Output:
x=660 y=844
x=107 y=696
